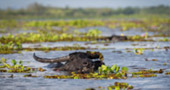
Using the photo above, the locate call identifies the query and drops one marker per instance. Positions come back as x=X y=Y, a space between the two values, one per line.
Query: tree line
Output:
x=36 y=10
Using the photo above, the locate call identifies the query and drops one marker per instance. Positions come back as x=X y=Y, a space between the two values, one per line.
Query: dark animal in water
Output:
x=81 y=62
x=115 y=38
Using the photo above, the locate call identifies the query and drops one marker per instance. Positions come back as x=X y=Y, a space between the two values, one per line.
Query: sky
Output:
x=17 y=4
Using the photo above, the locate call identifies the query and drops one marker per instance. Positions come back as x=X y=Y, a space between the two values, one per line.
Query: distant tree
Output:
x=128 y=11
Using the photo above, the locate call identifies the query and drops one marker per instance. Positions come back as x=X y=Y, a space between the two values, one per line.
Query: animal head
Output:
x=78 y=61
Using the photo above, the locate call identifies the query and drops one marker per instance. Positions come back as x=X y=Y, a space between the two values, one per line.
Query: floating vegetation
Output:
x=41 y=69
x=138 y=51
x=47 y=37
x=147 y=73
x=87 y=76
x=16 y=33
x=104 y=72
x=116 y=86
x=113 y=69
x=167 y=73
x=165 y=39
x=151 y=60
x=136 y=38
x=151 y=24
x=15 y=68
x=164 y=64
x=10 y=47
x=7 y=49
x=154 y=59
x=48 y=34
x=66 y=48
x=3 y=70
x=120 y=85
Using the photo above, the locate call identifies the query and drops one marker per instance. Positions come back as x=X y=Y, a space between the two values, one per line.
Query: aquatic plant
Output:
x=8 y=23
x=47 y=37
x=104 y=72
x=116 y=86
x=138 y=51
x=136 y=38
x=151 y=24
x=15 y=68
x=147 y=73
x=10 y=48
x=165 y=39
x=93 y=33
x=167 y=73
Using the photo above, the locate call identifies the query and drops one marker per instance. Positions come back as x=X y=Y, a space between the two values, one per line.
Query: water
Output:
x=114 y=53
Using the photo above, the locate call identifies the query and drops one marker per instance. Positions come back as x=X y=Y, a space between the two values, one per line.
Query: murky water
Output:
x=114 y=53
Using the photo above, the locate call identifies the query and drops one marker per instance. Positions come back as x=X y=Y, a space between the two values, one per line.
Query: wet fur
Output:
x=79 y=62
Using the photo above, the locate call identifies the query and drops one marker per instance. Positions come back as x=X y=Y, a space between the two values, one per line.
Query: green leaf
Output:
x=117 y=69
x=20 y=62
x=100 y=70
x=113 y=67
x=124 y=69
x=13 y=61
x=104 y=68
x=76 y=77
x=108 y=70
x=109 y=88
x=3 y=60
x=117 y=88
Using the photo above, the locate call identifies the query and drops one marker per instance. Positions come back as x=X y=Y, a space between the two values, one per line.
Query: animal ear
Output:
x=95 y=55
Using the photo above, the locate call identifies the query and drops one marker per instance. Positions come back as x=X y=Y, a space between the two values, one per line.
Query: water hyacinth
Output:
x=15 y=68
x=114 y=69
x=116 y=86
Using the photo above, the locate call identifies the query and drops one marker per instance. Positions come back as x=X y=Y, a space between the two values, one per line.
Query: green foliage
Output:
x=9 y=23
x=165 y=39
x=13 y=43
x=147 y=73
x=139 y=51
x=20 y=62
x=93 y=33
x=116 y=86
x=104 y=72
x=15 y=68
x=125 y=69
x=9 y=47
x=13 y=62
x=39 y=11
x=113 y=69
